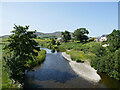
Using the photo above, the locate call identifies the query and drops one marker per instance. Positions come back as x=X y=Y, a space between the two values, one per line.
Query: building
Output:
x=103 y=38
x=97 y=39
x=59 y=39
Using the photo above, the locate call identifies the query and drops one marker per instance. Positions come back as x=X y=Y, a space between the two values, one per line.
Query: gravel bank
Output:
x=83 y=69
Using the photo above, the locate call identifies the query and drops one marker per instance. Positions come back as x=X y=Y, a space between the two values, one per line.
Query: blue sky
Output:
x=97 y=17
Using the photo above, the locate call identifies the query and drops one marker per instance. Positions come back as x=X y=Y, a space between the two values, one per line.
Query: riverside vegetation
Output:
x=79 y=47
x=20 y=54
x=103 y=59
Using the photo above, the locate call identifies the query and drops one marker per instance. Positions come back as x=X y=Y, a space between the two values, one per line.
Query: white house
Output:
x=103 y=38
x=59 y=39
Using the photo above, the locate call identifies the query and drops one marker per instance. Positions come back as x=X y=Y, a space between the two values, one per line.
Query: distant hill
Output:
x=4 y=36
x=44 y=34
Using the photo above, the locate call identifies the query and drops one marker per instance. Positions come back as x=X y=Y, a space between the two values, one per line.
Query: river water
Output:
x=55 y=72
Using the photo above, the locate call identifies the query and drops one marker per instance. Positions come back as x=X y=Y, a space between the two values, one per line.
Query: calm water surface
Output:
x=56 y=72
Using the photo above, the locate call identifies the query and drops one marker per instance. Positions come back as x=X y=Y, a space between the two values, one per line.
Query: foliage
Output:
x=37 y=60
x=57 y=43
x=20 y=50
x=108 y=63
x=53 y=42
x=114 y=40
x=5 y=79
x=107 y=59
x=87 y=47
x=80 y=34
x=66 y=36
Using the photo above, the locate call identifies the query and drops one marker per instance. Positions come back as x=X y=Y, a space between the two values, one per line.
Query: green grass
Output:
x=80 y=56
x=77 y=56
x=43 y=43
x=41 y=56
x=4 y=77
x=48 y=36
x=80 y=51
x=6 y=82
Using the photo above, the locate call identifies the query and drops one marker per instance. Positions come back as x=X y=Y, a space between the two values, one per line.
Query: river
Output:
x=55 y=72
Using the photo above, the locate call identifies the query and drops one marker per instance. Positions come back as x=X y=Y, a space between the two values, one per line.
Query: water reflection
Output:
x=50 y=74
x=49 y=51
x=109 y=82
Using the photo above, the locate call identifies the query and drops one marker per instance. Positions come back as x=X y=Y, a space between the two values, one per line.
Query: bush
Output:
x=37 y=60
x=107 y=62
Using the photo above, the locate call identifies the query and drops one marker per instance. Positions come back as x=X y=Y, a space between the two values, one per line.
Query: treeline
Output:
x=107 y=59
x=80 y=35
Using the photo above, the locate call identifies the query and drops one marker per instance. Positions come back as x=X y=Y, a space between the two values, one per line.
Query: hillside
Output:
x=42 y=34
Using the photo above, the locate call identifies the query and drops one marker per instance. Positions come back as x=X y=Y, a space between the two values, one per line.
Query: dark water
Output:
x=56 y=72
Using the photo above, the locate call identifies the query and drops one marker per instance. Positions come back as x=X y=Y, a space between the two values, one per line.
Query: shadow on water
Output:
x=109 y=82
x=48 y=74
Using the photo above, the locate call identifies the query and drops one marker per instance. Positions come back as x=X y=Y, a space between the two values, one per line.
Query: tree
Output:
x=80 y=34
x=21 y=48
x=66 y=36
x=53 y=41
x=114 y=40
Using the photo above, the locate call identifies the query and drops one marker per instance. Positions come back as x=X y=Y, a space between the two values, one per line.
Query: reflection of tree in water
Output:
x=50 y=74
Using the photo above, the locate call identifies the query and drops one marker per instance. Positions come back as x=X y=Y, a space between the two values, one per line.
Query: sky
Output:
x=119 y=15
x=97 y=17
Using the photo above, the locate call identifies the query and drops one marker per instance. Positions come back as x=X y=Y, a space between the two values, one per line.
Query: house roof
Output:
x=104 y=35
x=59 y=38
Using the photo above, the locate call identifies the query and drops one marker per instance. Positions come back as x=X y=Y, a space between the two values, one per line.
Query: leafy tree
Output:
x=57 y=43
x=21 y=48
x=114 y=40
x=80 y=34
x=53 y=41
x=66 y=36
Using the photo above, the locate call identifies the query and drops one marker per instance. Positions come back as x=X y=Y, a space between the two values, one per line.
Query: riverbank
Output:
x=83 y=69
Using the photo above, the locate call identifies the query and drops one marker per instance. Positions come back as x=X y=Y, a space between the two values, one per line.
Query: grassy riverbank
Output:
x=6 y=82
x=87 y=47
x=5 y=78
x=78 y=51
x=78 y=56
x=37 y=60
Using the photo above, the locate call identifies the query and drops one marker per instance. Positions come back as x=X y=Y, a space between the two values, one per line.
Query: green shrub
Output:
x=37 y=60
